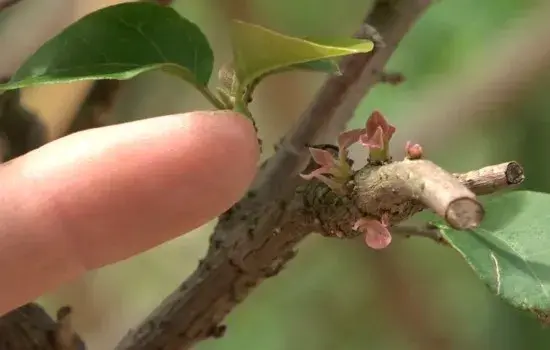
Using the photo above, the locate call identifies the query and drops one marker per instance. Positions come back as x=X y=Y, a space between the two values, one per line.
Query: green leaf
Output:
x=510 y=252
x=258 y=51
x=120 y=42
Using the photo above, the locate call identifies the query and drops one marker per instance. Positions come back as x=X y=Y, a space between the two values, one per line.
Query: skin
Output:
x=103 y=195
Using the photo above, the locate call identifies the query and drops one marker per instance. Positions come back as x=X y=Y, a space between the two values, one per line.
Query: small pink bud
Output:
x=414 y=151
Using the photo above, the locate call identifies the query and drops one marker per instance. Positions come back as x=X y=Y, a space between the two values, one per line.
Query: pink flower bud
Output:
x=414 y=151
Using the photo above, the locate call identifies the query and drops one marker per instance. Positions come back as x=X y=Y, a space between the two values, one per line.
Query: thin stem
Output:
x=212 y=98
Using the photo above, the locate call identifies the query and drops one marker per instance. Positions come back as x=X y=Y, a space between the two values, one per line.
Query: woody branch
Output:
x=256 y=238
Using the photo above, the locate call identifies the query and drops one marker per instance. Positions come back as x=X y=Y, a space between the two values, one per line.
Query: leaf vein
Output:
x=523 y=259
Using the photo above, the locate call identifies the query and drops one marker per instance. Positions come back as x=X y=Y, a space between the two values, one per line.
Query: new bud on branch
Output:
x=335 y=171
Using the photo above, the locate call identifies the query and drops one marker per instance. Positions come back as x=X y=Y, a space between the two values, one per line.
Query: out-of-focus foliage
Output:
x=339 y=294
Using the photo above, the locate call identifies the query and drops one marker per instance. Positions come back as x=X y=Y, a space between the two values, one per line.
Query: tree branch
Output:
x=484 y=181
x=255 y=238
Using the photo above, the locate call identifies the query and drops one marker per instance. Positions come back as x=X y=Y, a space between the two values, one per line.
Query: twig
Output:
x=427 y=183
x=484 y=181
x=400 y=190
x=493 y=178
x=427 y=231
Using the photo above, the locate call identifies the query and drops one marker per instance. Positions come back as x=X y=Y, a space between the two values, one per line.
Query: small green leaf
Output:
x=510 y=252
x=258 y=51
x=120 y=42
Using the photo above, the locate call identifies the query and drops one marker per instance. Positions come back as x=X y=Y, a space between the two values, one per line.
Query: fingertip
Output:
x=103 y=195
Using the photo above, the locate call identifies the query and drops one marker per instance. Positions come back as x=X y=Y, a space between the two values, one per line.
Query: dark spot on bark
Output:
x=250 y=232
x=218 y=331
x=216 y=243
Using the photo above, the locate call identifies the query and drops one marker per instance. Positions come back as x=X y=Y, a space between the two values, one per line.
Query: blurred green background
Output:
x=476 y=93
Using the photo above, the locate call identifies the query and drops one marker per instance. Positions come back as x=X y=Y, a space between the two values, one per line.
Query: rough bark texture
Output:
x=493 y=178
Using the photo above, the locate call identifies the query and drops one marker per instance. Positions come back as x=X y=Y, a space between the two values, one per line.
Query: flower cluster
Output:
x=335 y=171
